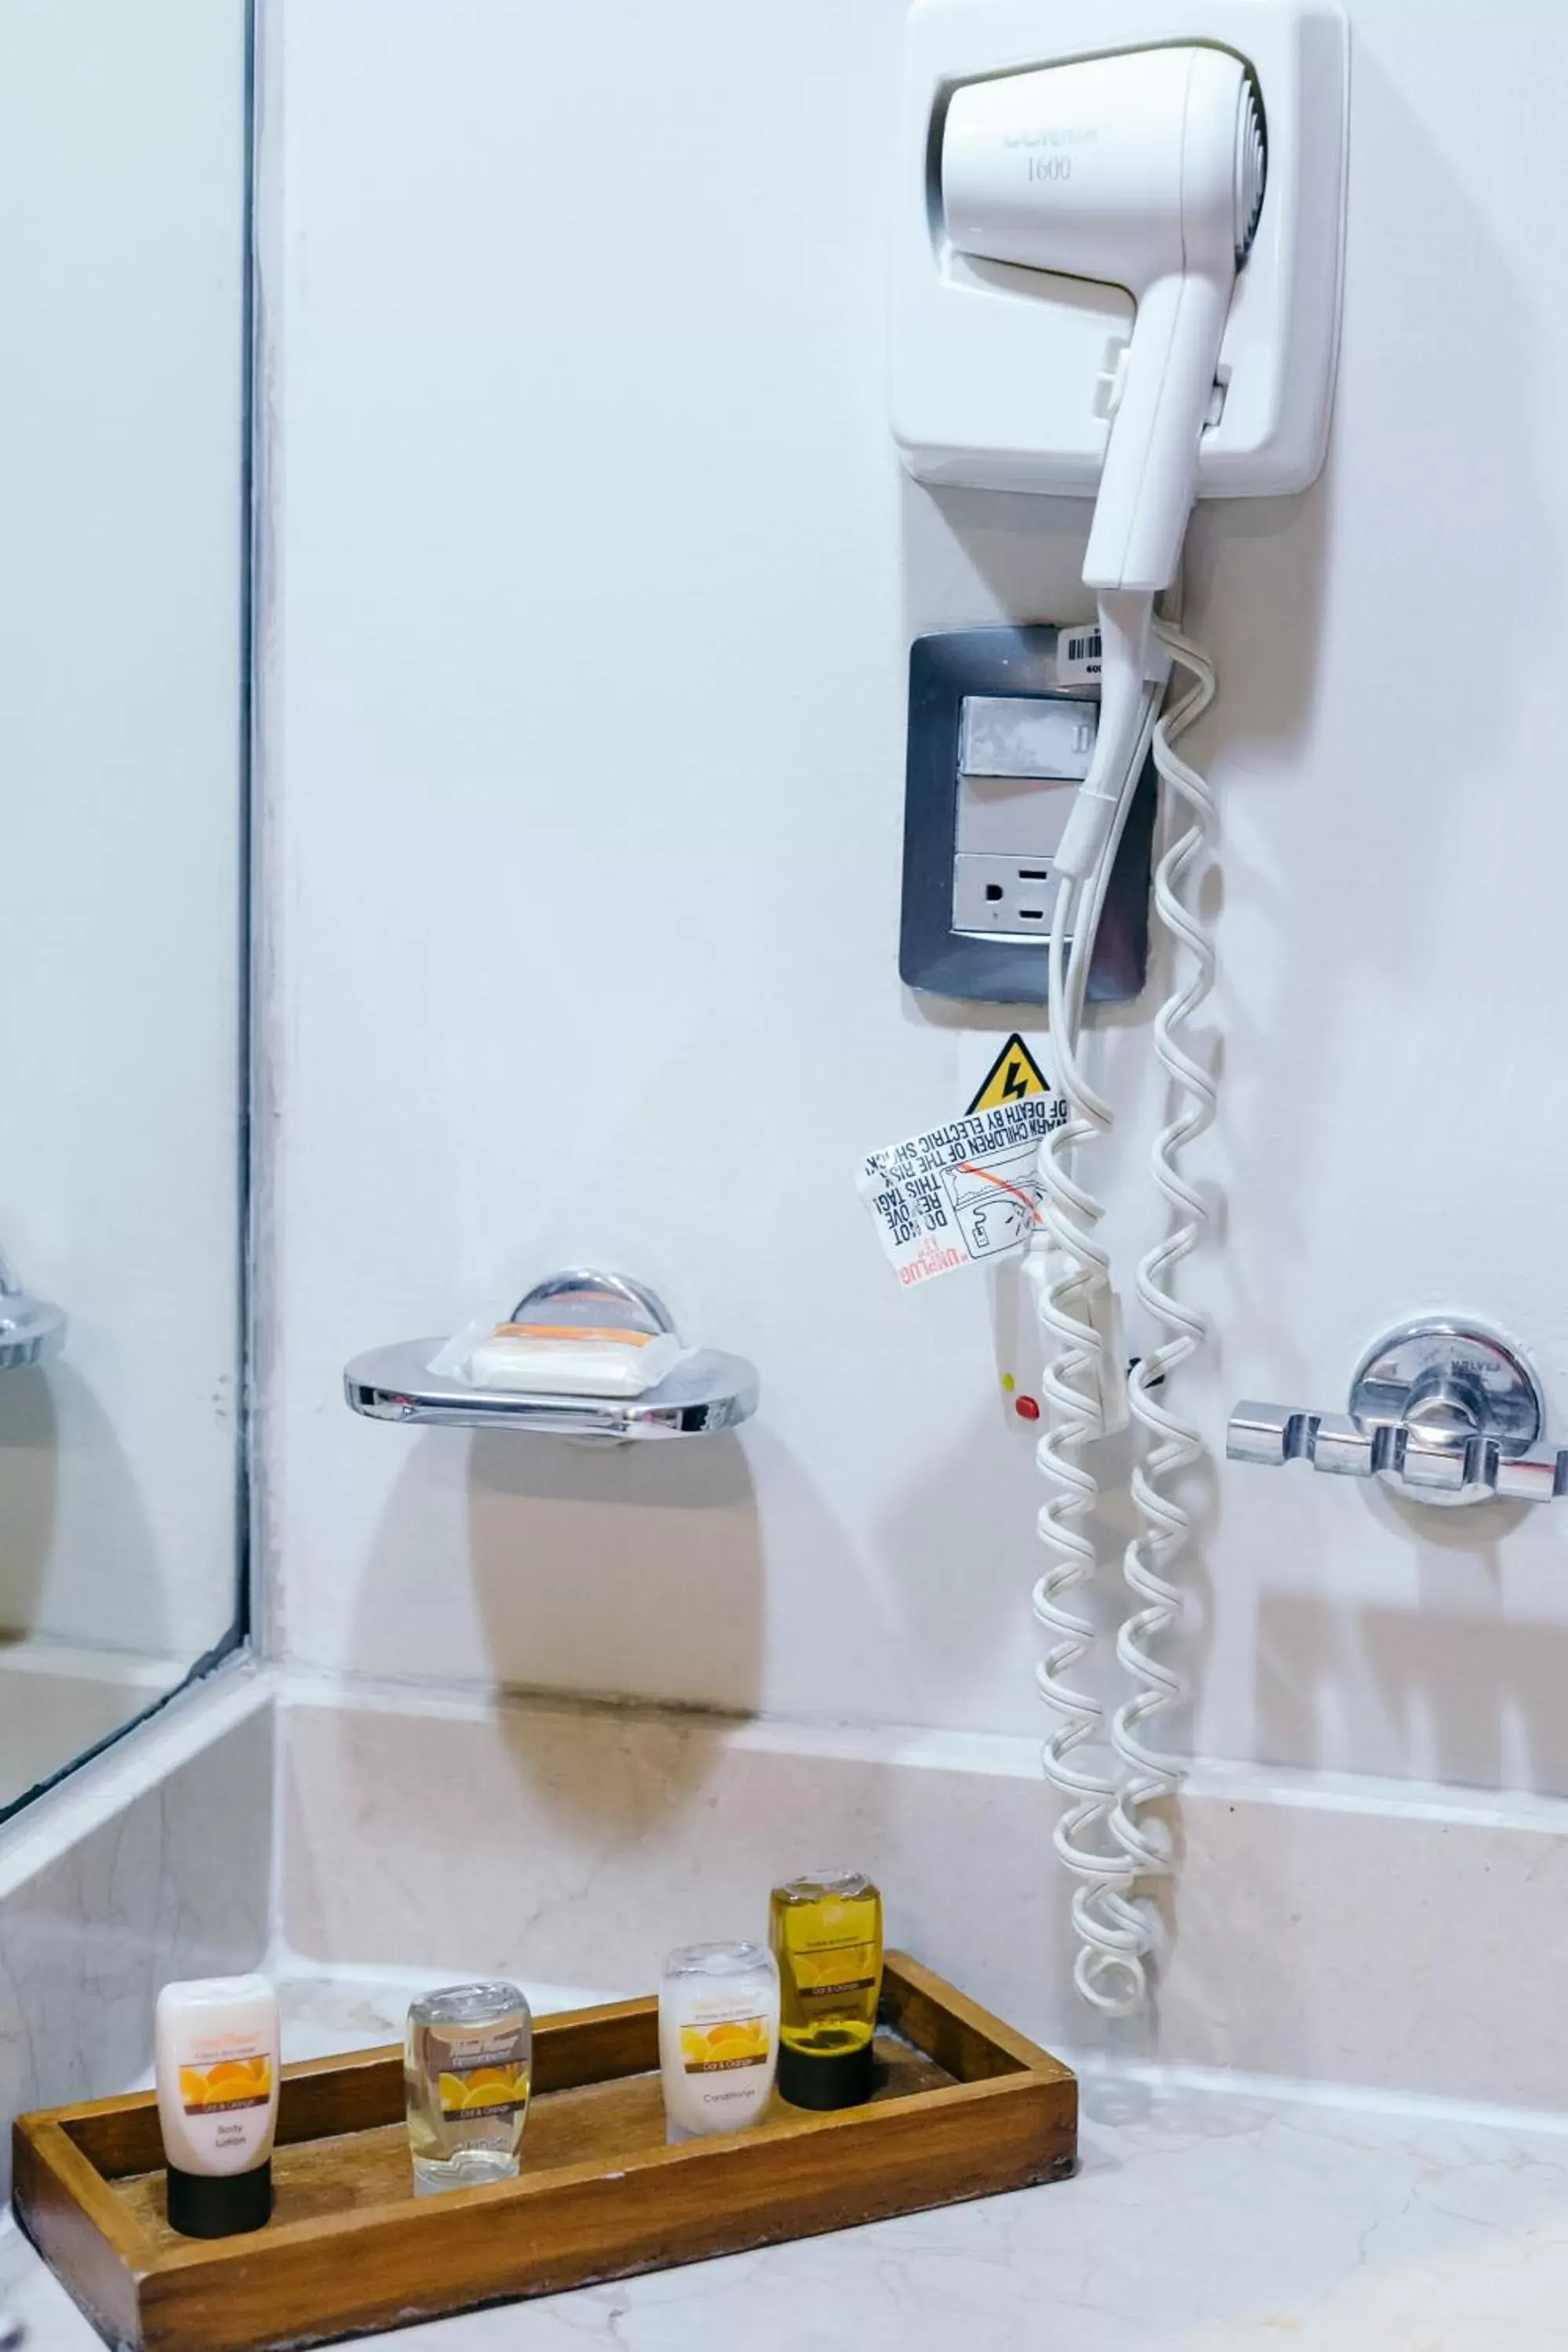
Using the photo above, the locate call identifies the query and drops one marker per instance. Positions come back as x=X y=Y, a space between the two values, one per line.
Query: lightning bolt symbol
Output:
x=1014 y=1086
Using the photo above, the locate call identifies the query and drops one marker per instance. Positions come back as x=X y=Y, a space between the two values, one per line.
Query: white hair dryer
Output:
x=1143 y=171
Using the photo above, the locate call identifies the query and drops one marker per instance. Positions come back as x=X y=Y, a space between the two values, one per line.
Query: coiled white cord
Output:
x=1074 y=1758
x=1070 y=1267
x=1172 y=1444
x=1103 y=1837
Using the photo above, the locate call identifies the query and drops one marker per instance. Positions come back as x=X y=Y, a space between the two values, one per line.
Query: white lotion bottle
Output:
x=217 y=2043
x=718 y=2037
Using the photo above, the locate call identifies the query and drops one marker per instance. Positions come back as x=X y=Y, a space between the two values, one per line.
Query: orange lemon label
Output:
x=484 y=2090
x=232 y=2083
x=714 y=2049
x=841 y=1969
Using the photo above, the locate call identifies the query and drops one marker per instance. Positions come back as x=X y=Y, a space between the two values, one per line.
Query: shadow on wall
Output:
x=65 y=1480
x=633 y=1569
x=622 y=1573
x=1467 y=1695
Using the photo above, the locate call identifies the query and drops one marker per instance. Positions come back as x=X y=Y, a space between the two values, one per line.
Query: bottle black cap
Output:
x=219 y=2205
x=842 y=2078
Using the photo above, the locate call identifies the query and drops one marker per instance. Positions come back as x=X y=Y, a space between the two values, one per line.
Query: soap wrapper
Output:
x=965 y=1194
x=540 y=1359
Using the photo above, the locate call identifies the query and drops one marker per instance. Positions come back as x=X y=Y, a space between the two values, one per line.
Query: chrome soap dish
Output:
x=31 y=1330
x=702 y=1392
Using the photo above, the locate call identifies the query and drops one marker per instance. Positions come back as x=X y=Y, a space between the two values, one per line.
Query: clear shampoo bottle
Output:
x=826 y=1934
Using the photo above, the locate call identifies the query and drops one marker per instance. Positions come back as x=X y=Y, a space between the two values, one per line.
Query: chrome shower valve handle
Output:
x=1445 y=1412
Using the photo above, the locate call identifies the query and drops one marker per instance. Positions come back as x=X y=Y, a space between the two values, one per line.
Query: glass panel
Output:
x=123 y=496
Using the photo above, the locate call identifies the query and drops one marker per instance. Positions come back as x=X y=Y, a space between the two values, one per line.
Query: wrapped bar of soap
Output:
x=572 y=1360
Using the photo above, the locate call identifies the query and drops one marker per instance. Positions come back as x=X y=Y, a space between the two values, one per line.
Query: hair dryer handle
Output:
x=1149 y=480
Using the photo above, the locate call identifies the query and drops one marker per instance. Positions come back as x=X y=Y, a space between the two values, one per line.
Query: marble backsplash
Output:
x=1322 y=1928
x=1328 y=1930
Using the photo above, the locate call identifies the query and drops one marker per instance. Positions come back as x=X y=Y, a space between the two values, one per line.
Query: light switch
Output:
x=1010 y=817
x=1016 y=735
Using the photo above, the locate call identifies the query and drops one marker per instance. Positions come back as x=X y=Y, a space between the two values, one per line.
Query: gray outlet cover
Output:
x=946 y=670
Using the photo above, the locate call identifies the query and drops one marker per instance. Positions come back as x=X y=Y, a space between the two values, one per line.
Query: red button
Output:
x=1026 y=1408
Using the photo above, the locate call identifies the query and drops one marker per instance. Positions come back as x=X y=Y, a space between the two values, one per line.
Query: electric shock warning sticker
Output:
x=1012 y=1075
x=961 y=1194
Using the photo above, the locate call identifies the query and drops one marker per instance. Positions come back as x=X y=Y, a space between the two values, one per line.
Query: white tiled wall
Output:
x=595 y=578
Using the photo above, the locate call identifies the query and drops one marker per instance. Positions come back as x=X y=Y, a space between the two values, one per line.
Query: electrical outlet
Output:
x=998 y=745
x=1005 y=898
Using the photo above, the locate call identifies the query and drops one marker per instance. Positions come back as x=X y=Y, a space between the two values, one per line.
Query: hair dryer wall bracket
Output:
x=1003 y=374
x=1444 y=1410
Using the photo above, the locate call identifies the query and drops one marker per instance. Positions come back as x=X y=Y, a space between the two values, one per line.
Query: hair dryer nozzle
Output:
x=1251 y=167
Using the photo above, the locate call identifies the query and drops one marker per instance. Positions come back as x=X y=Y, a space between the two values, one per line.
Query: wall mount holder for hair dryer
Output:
x=704 y=1392
x=1444 y=1410
x=1001 y=374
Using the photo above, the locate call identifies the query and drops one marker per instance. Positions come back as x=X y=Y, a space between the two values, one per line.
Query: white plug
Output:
x=1105 y=1314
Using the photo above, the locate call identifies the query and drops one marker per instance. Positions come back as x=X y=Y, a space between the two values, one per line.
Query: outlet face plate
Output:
x=996 y=372
x=967 y=834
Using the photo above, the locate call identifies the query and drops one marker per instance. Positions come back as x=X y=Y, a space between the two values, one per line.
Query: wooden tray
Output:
x=965 y=2107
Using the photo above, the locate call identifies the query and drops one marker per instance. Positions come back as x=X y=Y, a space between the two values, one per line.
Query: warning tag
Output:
x=1012 y=1075
x=963 y=1194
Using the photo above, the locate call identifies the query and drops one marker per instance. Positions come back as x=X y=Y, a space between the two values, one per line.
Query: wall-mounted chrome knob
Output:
x=1446 y=1411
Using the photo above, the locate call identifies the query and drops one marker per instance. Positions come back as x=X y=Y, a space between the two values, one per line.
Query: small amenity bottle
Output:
x=718 y=2037
x=217 y=2065
x=467 y=2060
x=827 y=1934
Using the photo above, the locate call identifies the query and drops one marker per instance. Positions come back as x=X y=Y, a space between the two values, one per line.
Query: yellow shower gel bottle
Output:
x=827 y=1934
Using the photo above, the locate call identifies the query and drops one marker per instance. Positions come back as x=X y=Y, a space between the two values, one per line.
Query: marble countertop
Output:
x=1208 y=2221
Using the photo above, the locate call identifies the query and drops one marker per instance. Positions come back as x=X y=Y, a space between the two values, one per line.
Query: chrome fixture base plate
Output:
x=706 y=1392
x=31 y=1331
x=1450 y=1376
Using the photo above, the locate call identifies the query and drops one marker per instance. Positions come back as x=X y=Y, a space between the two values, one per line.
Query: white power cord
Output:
x=1101 y=1836
x=1172 y=1444
x=1071 y=1269
x=1074 y=1760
